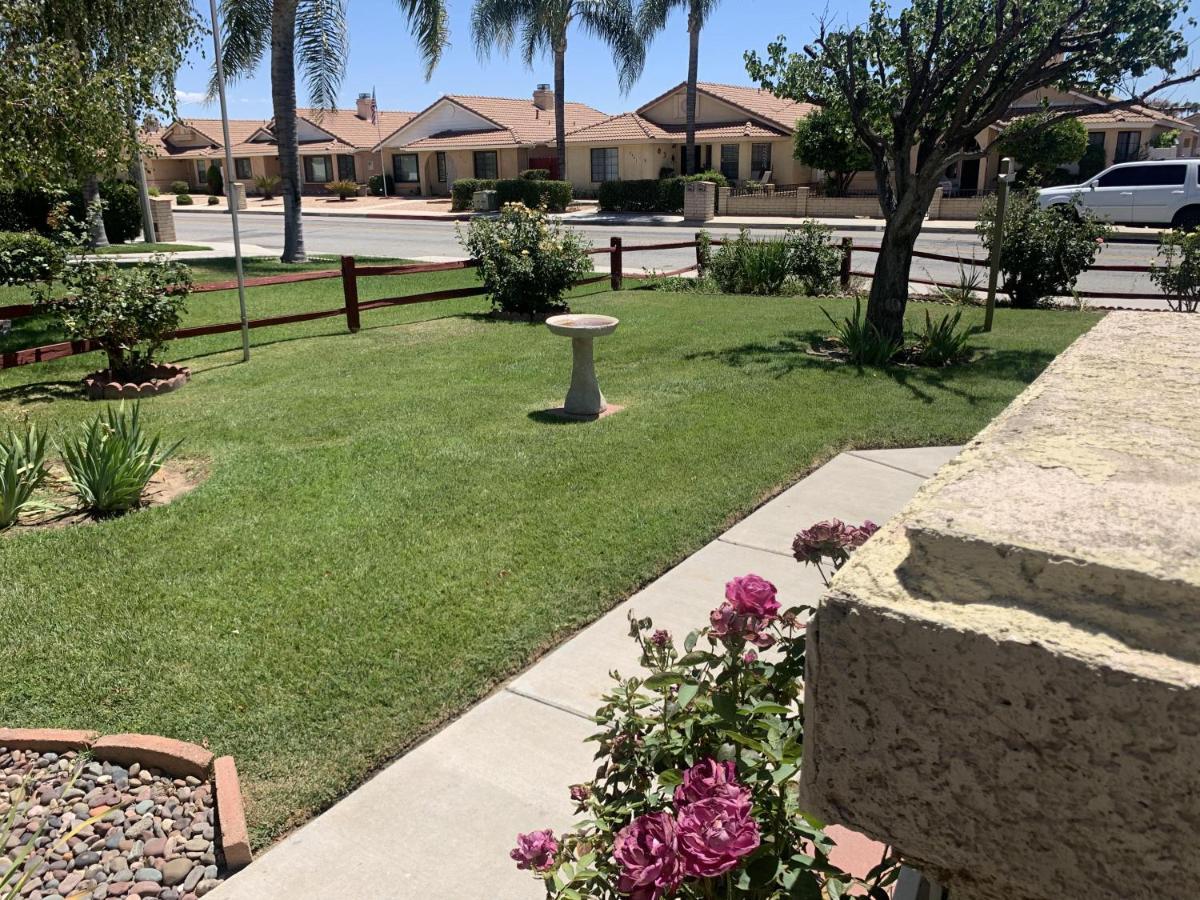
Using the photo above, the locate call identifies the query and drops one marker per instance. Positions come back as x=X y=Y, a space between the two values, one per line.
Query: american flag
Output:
x=374 y=110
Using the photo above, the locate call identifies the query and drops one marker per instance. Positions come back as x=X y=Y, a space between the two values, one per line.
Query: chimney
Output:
x=364 y=106
x=543 y=97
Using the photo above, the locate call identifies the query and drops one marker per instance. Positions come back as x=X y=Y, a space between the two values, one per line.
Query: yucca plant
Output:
x=942 y=342
x=112 y=460
x=964 y=291
x=865 y=344
x=22 y=471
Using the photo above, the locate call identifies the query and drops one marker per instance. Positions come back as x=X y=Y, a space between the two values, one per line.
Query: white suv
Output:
x=1163 y=192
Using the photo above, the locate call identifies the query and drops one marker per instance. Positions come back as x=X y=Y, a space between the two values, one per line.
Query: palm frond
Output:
x=429 y=22
x=615 y=23
x=652 y=15
x=495 y=23
x=245 y=37
x=322 y=48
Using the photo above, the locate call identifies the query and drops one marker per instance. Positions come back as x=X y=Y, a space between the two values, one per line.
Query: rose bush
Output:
x=695 y=794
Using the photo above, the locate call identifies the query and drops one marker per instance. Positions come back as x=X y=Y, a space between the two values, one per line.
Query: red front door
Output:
x=545 y=162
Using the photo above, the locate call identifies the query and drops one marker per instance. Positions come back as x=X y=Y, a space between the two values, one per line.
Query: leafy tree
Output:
x=1165 y=139
x=826 y=140
x=311 y=33
x=544 y=25
x=1040 y=142
x=922 y=83
x=652 y=18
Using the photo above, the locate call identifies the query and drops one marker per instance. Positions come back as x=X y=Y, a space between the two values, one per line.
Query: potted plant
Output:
x=129 y=313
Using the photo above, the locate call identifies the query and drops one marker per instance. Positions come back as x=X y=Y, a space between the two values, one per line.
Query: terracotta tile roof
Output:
x=451 y=140
x=759 y=103
x=518 y=122
x=345 y=125
x=632 y=127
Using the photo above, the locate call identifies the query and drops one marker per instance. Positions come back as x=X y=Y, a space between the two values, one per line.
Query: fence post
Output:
x=1006 y=176
x=615 y=260
x=847 y=254
x=350 y=290
x=700 y=254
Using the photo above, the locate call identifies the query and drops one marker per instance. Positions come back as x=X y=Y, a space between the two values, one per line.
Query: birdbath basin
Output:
x=584 y=398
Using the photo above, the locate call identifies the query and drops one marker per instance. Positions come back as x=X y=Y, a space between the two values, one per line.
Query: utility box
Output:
x=485 y=201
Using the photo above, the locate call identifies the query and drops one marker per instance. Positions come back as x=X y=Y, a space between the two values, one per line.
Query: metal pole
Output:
x=1002 y=182
x=229 y=173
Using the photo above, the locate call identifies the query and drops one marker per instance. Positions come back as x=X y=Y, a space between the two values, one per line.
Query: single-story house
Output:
x=462 y=136
x=334 y=145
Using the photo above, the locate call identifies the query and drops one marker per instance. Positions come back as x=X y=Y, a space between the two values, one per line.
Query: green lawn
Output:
x=389 y=527
x=150 y=248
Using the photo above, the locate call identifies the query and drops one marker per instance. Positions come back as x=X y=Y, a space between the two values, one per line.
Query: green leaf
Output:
x=725 y=706
x=687 y=693
x=670 y=777
x=660 y=680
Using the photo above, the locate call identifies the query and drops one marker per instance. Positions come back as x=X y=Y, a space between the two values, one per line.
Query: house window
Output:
x=485 y=164
x=345 y=163
x=1095 y=138
x=201 y=171
x=1129 y=145
x=441 y=167
x=317 y=169
x=729 y=161
x=604 y=164
x=241 y=168
x=760 y=159
x=404 y=168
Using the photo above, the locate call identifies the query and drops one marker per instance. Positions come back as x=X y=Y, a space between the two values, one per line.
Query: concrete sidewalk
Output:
x=438 y=823
x=216 y=250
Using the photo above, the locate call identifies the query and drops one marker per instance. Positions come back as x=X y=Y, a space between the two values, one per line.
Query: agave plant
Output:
x=865 y=344
x=110 y=462
x=942 y=342
x=22 y=471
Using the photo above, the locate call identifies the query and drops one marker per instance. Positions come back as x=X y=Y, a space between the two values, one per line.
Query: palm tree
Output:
x=652 y=18
x=543 y=25
x=313 y=34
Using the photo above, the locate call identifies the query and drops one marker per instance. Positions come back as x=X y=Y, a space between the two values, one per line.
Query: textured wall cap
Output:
x=176 y=757
x=235 y=840
x=55 y=740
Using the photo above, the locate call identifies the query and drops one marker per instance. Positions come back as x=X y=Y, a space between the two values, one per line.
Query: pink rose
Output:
x=645 y=850
x=535 y=850
x=709 y=778
x=830 y=539
x=660 y=638
x=861 y=534
x=733 y=628
x=715 y=835
x=749 y=657
x=752 y=596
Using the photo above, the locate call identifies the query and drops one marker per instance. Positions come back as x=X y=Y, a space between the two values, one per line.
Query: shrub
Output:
x=183 y=199
x=463 y=191
x=28 y=209
x=695 y=795
x=267 y=185
x=1042 y=251
x=122 y=213
x=1092 y=163
x=863 y=343
x=29 y=258
x=129 y=311
x=804 y=260
x=536 y=174
x=344 y=189
x=942 y=343
x=1040 y=143
x=1180 y=273
x=110 y=462
x=527 y=262
x=179 y=187
x=651 y=194
x=213 y=200
x=554 y=196
x=825 y=139
x=376 y=182
x=216 y=181
x=1164 y=139
x=153 y=191
x=22 y=471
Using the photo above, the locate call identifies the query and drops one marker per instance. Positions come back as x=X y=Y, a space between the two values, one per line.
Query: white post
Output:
x=233 y=211
x=1003 y=180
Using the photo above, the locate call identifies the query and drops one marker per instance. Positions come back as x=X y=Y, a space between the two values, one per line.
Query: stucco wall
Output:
x=1005 y=682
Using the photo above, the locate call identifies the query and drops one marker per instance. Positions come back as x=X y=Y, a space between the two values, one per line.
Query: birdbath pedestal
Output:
x=584 y=399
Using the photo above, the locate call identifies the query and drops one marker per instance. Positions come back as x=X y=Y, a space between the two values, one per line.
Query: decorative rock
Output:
x=205 y=886
x=176 y=870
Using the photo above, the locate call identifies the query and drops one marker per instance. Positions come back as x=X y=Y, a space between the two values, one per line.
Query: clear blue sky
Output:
x=382 y=56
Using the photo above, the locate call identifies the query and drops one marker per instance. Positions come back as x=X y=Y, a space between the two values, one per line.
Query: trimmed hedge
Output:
x=464 y=189
x=28 y=209
x=553 y=195
x=536 y=174
x=651 y=194
x=27 y=257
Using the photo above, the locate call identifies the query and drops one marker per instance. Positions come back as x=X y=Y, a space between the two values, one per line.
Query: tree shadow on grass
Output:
x=41 y=392
x=793 y=353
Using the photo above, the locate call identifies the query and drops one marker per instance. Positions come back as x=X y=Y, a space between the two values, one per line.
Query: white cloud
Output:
x=190 y=96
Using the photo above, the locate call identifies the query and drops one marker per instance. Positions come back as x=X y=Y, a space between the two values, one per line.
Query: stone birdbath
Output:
x=584 y=399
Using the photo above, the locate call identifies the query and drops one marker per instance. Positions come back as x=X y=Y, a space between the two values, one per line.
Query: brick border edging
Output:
x=178 y=758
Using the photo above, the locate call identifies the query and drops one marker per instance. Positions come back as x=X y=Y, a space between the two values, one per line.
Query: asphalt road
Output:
x=433 y=240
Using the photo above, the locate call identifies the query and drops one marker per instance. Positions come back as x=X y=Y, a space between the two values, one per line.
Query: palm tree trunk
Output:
x=97 y=237
x=560 y=108
x=690 y=167
x=283 y=98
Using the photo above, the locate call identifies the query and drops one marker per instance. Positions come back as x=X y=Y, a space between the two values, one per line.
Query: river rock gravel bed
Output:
x=155 y=838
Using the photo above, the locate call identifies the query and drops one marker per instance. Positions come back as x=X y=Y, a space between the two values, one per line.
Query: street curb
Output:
x=458 y=217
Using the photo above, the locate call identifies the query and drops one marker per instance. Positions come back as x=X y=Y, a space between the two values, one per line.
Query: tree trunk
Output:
x=97 y=237
x=691 y=165
x=560 y=108
x=889 y=289
x=283 y=98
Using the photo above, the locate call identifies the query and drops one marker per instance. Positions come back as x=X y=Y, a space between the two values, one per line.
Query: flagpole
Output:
x=379 y=137
x=232 y=202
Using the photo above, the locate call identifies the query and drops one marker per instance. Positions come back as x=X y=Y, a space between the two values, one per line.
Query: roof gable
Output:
x=723 y=103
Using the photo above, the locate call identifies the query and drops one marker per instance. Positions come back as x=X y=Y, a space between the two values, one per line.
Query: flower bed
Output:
x=161 y=379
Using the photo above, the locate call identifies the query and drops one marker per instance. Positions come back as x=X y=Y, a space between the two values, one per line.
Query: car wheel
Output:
x=1187 y=219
